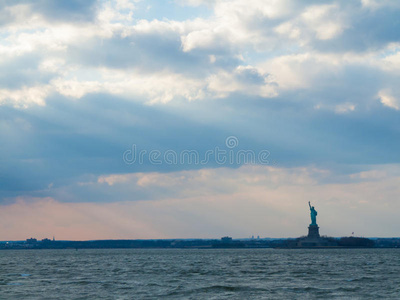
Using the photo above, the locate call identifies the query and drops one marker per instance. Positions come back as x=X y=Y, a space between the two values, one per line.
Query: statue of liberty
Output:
x=313 y=214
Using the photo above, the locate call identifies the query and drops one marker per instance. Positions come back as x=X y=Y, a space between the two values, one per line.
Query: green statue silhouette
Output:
x=313 y=214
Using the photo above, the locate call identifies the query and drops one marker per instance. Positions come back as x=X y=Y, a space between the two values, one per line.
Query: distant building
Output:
x=227 y=242
x=226 y=239
x=31 y=241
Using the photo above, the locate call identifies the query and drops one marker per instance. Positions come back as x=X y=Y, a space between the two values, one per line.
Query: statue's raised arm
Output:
x=309 y=204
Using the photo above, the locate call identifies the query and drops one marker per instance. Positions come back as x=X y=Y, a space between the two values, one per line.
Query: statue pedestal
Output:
x=313 y=231
x=313 y=239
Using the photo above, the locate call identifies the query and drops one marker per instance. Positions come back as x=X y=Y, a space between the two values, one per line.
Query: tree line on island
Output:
x=225 y=242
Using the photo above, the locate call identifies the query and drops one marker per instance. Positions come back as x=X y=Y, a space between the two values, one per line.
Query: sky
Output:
x=130 y=119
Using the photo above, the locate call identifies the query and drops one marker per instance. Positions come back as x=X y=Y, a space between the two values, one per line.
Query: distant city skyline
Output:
x=129 y=119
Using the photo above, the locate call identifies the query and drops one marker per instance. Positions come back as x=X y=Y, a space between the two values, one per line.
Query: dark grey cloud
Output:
x=145 y=52
x=65 y=139
x=250 y=76
x=24 y=70
x=71 y=10
x=364 y=28
x=67 y=142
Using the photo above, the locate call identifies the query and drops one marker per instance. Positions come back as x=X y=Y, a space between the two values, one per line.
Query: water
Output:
x=200 y=274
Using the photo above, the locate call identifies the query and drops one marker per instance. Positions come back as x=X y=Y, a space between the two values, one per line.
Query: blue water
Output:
x=200 y=274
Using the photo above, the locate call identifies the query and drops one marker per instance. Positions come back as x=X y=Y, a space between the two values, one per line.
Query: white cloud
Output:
x=245 y=10
x=74 y=88
x=165 y=86
x=299 y=71
x=25 y=97
x=195 y=2
x=392 y=61
x=388 y=59
x=157 y=87
x=344 y=108
x=126 y=4
x=211 y=40
x=324 y=20
x=388 y=100
x=54 y=65
x=113 y=179
x=280 y=34
x=288 y=29
x=216 y=181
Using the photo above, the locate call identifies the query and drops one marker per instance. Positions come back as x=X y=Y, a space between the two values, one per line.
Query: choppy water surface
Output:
x=200 y=274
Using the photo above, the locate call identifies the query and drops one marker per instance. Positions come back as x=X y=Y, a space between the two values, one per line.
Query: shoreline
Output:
x=284 y=243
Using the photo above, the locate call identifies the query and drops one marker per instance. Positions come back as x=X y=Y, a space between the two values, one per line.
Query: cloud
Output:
x=25 y=96
x=282 y=43
x=320 y=19
x=388 y=100
x=313 y=83
x=374 y=4
x=71 y=11
x=345 y=108
x=70 y=140
x=266 y=201
x=245 y=79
